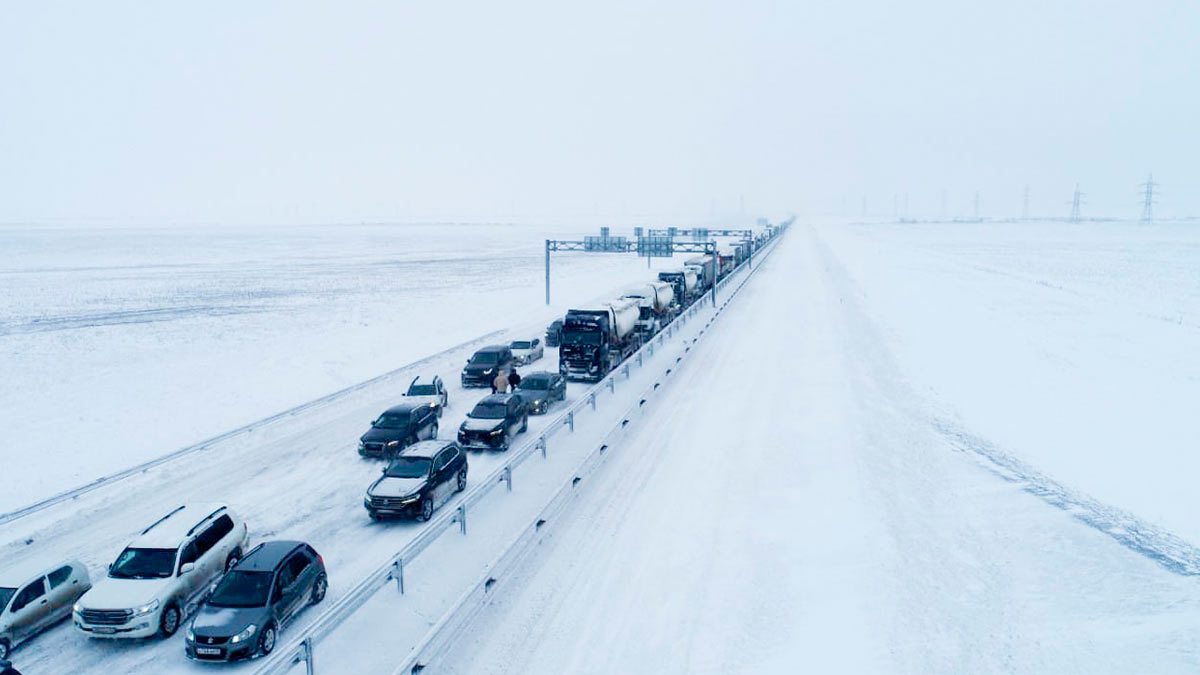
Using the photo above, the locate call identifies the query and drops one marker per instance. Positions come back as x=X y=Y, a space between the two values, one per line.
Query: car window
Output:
x=297 y=564
x=444 y=458
x=213 y=534
x=285 y=578
x=59 y=576
x=536 y=342
x=189 y=554
x=28 y=594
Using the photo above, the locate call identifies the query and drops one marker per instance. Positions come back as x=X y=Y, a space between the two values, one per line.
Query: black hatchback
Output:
x=493 y=422
x=397 y=428
x=257 y=597
x=485 y=364
x=418 y=481
x=542 y=389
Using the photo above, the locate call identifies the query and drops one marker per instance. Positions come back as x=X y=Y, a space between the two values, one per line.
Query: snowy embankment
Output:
x=794 y=508
x=119 y=345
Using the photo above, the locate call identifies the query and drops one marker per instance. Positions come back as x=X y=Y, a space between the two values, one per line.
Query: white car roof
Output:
x=20 y=573
x=421 y=379
x=170 y=530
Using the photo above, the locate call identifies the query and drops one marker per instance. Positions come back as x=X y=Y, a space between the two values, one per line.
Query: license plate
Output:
x=208 y=651
x=107 y=631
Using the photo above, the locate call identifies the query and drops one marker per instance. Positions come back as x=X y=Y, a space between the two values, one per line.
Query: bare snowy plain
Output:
x=904 y=448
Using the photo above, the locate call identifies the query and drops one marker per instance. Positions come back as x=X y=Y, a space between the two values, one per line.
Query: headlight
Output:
x=392 y=444
x=244 y=635
x=145 y=609
x=497 y=432
x=410 y=499
x=367 y=499
x=78 y=608
x=362 y=443
x=489 y=371
x=191 y=635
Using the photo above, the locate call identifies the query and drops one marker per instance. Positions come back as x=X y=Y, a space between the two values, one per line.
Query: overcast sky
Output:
x=341 y=111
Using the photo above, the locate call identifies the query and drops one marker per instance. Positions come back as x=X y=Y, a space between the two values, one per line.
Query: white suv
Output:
x=163 y=574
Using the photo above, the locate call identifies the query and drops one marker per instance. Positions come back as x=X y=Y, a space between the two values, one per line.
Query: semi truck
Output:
x=656 y=306
x=596 y=339
x=706 y=271
x=684 y=280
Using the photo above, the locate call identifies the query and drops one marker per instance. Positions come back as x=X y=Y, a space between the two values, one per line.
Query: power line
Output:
x=1076 y=201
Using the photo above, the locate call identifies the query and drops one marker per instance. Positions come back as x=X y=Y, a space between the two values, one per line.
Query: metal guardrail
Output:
x=253 y=426
x=302 y=648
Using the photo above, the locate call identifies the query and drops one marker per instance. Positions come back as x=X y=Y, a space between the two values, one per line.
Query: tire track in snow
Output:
x=1146 y=539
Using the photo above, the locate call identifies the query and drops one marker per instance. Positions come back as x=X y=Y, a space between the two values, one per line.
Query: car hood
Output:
x=477 y=369
x=375 y=435
x=432 y=400
x=395 y=487
x=227 y=621
x=533 y=395
x=110 y=593
x=481 y=424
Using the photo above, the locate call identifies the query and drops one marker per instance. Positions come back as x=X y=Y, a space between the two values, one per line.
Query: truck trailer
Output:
x=596 y=339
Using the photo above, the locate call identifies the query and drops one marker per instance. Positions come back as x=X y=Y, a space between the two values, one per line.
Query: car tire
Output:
x=434 y=431
x=319 y=589
x=5 y=648
x=233 y=559
x=426 y=509
x=266 y=641
x=462 y=480
x=169 y=620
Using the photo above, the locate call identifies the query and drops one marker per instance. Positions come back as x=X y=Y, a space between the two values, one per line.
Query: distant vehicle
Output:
x=596 y=339
x=527 y=351
x=428 y=390
x=706 y=270
x=35 y=597
x=554 y=333
x=541 y=390
x=684 y=280
x=258 y=597
x=397 y=428
x=163 y=572
x=485 y=364
x=656 y=305
x=422 y=478
x=493 y=422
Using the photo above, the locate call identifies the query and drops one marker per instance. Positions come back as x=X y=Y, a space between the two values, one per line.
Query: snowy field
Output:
x=837 y=528
x=123 y=344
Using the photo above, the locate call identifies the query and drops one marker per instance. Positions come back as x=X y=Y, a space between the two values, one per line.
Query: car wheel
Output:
x=168 y=623
x=5 y=648
x=319 y=588
x=266 y=642
x=233 y=559
x=426 y=508
x=434 y=431
x=462 y=479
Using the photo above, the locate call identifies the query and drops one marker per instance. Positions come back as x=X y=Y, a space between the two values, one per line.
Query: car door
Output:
x=29 y=609
x=189 y=584
x=293 y=584
x=560 y=387
x=63 y=591
x=537 y=349
x=441 y=391
x=430 y=423
x=443 y=475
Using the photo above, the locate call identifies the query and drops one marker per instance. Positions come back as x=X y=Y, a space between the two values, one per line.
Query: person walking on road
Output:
x=500 y=384
x=514 y=378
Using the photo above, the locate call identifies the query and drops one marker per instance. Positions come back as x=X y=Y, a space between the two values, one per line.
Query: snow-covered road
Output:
x=834 y=529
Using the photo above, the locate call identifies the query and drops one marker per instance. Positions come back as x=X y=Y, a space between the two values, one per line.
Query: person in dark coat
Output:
x=6 y=668
x=514 y=378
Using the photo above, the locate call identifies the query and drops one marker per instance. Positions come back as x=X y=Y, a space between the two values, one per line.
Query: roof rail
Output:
x=156 y=523
x=204 y=520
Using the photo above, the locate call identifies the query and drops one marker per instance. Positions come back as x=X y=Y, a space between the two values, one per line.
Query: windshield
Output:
x=242 y=589
x=520 y=344
x=389 y=421
x=485 y=358
x=6 y=595
x=536 y=384
x=408 y=467
x=581 y=338
x=144 y=563
x=422 y=390
x=490 y=411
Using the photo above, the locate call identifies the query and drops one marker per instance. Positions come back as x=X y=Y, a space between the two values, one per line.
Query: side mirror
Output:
x=383 y=470
x=186 y=568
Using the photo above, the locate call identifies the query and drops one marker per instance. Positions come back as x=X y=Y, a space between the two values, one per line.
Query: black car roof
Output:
x=492 y=348
x=497 y=398
x=266 y=556
x=539 y=375
x=405 y=408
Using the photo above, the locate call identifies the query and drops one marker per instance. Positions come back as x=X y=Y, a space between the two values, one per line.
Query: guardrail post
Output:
x=592 y=399
x=651 y=348
x=571 y=420
x=462 y=518
x=507 y=478
x=310 y=666
x=625 y=370
x=542 y=445
x=398 y=574
x=612 y=387
x=640 y=358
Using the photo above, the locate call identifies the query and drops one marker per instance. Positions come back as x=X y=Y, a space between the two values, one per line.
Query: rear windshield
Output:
x=408 y=467
x=485 y=357
x=422 y=390
x=535 y=383
x=242 y=589
x=490 y=411
x=144 y=563
x=520 y=344
x=391 y=421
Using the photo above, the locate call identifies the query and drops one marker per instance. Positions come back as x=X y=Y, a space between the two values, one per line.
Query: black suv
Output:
x=493 y=422
x=554 y=333
x=485 y=364
x=260 y=595
x=397 y=428
x=541 y=389
x=418 y=481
